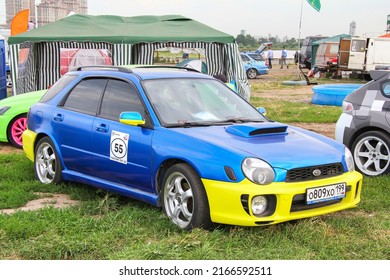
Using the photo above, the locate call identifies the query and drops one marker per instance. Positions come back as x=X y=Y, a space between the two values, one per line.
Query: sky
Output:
x=280 y=18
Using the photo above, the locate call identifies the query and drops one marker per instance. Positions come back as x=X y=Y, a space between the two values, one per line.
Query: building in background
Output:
x=12 y=7
x=45 y=12
x=52 y=10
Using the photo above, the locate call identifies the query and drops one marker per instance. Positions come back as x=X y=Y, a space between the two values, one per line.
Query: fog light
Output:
x=259 y=204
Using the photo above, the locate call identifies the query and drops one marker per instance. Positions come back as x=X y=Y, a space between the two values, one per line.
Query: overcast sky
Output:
x=259 y=17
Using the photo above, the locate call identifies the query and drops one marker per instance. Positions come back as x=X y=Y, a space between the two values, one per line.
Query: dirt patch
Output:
x=46 y=200
x=302 y=93
x=6 y=148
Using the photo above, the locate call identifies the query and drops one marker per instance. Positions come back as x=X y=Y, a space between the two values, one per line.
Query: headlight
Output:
x=349 y=160
x=4 y=109
x=258 y=171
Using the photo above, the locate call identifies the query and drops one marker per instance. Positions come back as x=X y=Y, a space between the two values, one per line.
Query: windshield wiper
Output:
x=187 y=124
x=240 y=120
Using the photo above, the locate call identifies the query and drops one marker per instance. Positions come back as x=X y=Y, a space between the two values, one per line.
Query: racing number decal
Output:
x=119 y=146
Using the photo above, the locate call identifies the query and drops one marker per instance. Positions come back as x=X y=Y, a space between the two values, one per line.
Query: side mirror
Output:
x=262 y=110
x=131 y=118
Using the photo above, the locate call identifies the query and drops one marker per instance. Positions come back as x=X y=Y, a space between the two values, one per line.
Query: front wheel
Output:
x=251 y=73
x=46 y=163
x=371 y=152
x=184 y=198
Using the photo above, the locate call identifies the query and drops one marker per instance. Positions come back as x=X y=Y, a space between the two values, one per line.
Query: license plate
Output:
x=325 y=193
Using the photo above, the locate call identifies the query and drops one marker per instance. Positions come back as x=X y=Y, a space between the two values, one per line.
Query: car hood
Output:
x=22 y=99
x=280 y=145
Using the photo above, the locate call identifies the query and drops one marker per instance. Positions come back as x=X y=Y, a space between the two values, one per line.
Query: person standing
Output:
x=270 y=57
x=283 y=58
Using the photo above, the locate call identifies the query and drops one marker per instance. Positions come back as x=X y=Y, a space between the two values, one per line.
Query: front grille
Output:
x=307 y=173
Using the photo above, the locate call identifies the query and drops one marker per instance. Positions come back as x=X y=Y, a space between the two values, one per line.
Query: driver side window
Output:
x=120 y=96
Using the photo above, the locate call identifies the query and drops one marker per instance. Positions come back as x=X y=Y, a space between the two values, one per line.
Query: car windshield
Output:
x=193 y=102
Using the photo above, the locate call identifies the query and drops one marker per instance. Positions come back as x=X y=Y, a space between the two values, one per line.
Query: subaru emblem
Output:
x=316 y=172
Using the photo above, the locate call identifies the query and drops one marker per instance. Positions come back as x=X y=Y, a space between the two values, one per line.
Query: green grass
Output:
x=107 y=226
x=287 y=111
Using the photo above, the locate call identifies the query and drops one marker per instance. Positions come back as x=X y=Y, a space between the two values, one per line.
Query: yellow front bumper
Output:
x=28 y=139
x=228 y=207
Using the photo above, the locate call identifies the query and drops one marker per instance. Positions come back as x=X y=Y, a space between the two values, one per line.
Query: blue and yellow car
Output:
x=184 y=141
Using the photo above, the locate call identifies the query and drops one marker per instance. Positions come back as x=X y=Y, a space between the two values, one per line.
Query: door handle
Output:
x=102 y=127
x=58 y=117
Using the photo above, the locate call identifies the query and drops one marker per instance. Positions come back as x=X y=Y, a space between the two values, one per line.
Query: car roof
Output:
x=143 y=72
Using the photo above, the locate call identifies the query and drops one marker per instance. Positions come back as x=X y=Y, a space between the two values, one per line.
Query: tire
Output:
x=251 y=73
x=15 y=130
x=371 y=152
x=46 y=163
x=184 y=198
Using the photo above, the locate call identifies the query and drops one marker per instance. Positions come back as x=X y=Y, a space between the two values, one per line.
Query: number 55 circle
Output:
x=119 y=146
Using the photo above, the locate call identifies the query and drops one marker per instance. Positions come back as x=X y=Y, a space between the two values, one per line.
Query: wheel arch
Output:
x=164 y=166
x=365 y=129
x=10 y=123
x=42 y=135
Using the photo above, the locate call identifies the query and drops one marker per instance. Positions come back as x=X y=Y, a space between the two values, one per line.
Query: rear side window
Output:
x=85 y=96
x=57 y=87
x=120 y=96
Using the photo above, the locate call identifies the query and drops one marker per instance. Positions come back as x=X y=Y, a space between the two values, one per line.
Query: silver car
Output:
x=364 y=125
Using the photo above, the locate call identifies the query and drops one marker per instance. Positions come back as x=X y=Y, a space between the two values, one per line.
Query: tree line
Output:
x=250 y=42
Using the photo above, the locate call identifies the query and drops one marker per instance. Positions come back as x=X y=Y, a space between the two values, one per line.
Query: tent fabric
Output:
x=129 y=30
x=130 y=40
x=385 y=35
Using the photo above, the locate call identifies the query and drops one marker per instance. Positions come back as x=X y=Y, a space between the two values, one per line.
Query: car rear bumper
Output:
x=28 y=143
x=230 y=203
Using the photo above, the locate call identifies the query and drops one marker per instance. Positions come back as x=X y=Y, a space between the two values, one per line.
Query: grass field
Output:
x=107 y=226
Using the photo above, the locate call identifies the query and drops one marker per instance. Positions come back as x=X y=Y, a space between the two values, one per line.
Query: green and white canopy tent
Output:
x=35 y=55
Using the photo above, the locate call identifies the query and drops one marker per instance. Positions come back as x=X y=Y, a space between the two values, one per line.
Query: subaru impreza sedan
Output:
x=184 y=141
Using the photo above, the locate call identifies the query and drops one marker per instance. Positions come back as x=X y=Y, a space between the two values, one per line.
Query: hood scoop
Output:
x=263 y=129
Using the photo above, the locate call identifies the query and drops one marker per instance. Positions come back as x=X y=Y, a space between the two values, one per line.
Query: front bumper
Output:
x=4 y=121
x=230 y=202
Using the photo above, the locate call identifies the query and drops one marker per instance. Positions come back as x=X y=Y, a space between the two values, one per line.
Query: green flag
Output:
x=316 y=4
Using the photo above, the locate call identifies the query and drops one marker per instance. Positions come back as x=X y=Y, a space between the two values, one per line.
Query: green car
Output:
x=13 y=116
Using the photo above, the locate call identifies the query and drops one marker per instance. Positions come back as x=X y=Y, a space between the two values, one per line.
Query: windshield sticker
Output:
x=119 y=146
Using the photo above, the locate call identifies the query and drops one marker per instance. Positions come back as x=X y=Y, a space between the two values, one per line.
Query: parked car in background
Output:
x=8 y=73
x=327 y=56
x=364 y=125
x=182 y=140
x=254 y=64
x=13 y=116
x=305 y=52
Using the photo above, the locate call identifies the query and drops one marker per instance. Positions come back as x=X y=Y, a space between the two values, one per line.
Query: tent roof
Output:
x=387 y=35
x=117 y=29
x=334 y=39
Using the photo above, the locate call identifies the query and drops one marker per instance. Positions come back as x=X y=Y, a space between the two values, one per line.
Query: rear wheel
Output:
x=47 y=164
x=15 y=130
x=184 y=198
x=251 y=73
x=371 y=152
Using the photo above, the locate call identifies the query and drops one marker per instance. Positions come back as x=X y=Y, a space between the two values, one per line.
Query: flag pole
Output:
x=299 y=42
